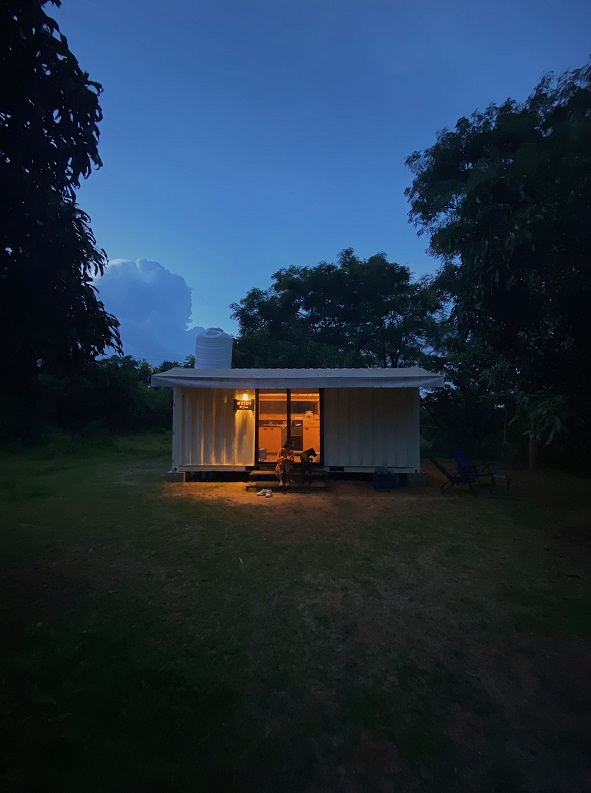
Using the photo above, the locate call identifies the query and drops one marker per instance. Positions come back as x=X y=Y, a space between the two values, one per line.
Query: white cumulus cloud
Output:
x=153 y=306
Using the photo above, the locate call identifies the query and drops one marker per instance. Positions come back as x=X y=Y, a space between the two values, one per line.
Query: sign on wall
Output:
x=244 y=404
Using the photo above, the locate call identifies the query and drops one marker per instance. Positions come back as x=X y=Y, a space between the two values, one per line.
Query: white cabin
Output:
x=356 y=419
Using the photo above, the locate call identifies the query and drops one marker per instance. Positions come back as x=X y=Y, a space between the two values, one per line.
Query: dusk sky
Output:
x=243 y=136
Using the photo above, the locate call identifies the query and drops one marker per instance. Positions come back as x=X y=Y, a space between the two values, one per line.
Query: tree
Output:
x=352 y=313
x=50 y=316
x=111 y=395
x=505 y=198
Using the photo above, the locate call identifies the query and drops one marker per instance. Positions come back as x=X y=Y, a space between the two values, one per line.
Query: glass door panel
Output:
x=281 y=416
x=305 y=420
x=272 y=424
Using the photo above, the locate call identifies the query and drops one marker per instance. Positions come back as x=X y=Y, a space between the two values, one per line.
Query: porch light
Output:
x=244 y=403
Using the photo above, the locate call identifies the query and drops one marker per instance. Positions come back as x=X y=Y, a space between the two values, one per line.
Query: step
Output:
x=298 y=487
x=262 y=476
x=257 y=475
x=267 y=479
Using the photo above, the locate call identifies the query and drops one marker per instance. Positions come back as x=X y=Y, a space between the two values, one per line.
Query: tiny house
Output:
x=356 y=419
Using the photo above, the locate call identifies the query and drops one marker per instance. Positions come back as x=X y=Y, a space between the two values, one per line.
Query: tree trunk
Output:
x=533 y=446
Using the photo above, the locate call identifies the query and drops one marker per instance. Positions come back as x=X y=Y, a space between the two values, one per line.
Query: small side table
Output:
x=495 y=479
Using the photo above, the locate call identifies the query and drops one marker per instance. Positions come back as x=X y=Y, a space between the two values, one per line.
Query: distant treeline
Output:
x=113 y=395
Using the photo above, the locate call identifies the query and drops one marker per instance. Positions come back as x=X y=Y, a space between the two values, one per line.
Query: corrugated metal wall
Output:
x=212 y=433
x=368 y=428
x=363 y=428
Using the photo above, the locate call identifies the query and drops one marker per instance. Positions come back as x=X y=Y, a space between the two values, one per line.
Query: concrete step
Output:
x=269 y=475
x=316 y=486
x=266 y=478
x=262 y=476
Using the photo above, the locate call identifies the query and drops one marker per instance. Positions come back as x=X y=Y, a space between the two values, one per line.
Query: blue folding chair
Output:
x=459 y=478
x=480 y=470
x=464 y=463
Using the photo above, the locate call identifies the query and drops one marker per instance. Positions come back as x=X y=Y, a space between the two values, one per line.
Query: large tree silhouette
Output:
x=505 y=199
x=51 y=319
x=353 y=313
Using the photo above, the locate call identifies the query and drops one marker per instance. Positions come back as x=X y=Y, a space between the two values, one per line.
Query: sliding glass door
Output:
x=287 y=414
x=271 y=424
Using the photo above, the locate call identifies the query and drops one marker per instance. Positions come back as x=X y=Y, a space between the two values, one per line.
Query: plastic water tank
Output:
x=213 y=349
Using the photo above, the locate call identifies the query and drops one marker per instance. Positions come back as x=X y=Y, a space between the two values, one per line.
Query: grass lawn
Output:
x=168 y=637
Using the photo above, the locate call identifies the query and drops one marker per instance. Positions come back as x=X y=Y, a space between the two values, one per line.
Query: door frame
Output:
x=288 y=392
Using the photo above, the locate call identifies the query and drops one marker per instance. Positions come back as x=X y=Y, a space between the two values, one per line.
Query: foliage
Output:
x=115 y=392
x=352 y=313
x=543 y=414
x=51 y=319
x=188 y=363
x=111 y=395
x=505 y=198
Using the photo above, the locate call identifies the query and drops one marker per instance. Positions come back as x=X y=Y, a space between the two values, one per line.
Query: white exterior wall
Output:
x=365 y=428
x=207 y=430
x=177 y=427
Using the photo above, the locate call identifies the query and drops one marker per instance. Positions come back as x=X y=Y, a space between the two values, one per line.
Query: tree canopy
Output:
x=505 y=199
x=352 y=313
x=50 y=315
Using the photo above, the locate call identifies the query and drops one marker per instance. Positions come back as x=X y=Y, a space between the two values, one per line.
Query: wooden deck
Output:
x=264 y=477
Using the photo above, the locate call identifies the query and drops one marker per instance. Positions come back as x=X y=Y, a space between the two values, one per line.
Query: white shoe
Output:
x=269 y=494
x=262 y=493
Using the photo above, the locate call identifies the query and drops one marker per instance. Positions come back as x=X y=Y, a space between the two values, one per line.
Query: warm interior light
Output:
x=245 y=396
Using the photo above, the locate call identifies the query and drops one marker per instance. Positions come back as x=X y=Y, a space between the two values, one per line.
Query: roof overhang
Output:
x=412 y=377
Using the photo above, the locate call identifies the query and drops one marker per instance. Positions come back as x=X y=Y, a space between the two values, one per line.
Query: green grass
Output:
x=167 y=637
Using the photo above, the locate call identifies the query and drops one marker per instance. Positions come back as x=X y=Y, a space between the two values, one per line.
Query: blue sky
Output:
x=243 y=136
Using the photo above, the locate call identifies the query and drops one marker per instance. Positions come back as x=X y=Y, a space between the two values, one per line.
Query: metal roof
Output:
x=411 y=377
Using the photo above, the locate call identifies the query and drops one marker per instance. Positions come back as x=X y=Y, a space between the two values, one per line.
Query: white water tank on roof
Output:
x=213 y=349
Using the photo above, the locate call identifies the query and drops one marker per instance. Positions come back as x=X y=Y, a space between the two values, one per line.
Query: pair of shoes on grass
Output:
x=265 y=493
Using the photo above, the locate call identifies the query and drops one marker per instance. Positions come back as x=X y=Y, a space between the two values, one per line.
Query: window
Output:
x=287 y=414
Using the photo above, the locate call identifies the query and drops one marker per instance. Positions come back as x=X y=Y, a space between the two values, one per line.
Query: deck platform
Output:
x=265 y=477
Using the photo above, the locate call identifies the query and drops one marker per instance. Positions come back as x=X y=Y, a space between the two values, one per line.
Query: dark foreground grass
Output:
x=165 y=637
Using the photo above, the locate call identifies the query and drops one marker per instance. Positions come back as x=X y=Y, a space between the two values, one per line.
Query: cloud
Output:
x=153 y=306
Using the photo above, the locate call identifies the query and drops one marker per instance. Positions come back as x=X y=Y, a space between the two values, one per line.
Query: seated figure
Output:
x=285 y=462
